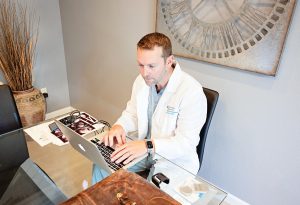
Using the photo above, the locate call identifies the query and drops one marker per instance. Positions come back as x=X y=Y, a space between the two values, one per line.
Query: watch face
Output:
x=219 y=31
x=149 y=145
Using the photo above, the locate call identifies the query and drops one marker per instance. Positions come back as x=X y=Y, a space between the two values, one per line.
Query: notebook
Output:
x=93 y=150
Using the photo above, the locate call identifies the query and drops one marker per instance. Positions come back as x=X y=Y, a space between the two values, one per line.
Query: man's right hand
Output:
x=115 y=136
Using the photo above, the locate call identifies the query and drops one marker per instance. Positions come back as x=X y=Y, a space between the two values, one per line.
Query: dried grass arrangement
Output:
x=18 y=38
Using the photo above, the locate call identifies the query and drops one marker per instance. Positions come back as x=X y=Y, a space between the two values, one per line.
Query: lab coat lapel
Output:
x=169 y=92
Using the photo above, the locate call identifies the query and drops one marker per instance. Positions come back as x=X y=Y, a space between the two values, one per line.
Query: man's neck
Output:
x=165 y=81
x=158 y=89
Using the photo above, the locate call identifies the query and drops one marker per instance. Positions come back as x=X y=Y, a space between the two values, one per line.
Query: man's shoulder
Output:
x=139 y=81
x=190 y=87
x=190 y=81
x=183 y=80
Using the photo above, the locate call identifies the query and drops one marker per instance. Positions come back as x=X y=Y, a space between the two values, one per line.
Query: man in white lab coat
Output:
x=167 y=108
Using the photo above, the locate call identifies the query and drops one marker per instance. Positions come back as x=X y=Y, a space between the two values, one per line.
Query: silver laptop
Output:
x=90 y=147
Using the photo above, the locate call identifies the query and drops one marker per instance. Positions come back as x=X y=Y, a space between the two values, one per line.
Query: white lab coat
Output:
x=176 y=122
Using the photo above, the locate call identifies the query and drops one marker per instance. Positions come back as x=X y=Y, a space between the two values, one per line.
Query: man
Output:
x=167 y=108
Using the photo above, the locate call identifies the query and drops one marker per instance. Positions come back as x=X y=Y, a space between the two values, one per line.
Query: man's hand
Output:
x=115 y=136
x=129 y=151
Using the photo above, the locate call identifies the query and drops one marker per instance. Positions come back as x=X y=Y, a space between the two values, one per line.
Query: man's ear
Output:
x=170 y=60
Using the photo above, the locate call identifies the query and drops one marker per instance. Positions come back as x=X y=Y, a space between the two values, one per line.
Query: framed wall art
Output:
x=244 y=34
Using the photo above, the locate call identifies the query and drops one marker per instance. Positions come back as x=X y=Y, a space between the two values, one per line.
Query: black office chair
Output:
x=212 y=99
x=13 y=148
x=9 y=116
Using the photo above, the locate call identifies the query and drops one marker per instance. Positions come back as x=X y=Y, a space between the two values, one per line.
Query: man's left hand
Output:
x=129 y=151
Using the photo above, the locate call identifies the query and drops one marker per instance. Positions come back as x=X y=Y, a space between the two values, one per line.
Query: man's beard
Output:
x=153 y=81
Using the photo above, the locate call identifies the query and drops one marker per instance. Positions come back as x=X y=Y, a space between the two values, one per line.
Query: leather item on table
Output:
x=122 y=187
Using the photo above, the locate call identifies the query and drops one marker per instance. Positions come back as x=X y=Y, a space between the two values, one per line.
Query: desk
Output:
x=71 y=172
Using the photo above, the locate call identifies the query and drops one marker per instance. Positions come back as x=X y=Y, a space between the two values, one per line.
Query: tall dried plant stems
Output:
x=17 y=44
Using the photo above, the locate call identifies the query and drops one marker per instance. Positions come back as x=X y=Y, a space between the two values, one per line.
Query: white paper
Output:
x=42 y=135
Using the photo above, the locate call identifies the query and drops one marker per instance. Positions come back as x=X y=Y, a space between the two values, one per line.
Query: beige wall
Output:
x=100 y=43
x=253 y=144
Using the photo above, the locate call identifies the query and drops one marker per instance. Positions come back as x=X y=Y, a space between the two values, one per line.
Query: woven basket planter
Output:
x=31 y=105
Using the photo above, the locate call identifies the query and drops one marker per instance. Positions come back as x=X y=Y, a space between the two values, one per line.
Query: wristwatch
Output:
x=150 y=149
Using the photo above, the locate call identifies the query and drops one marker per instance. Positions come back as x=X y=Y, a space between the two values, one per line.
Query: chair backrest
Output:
x=212 y=99
x=13 y=147
x=9 y=115
x=31 y=185
x=13 y=152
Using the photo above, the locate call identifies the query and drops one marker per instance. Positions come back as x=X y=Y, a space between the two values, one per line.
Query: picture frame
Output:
x=245 y=34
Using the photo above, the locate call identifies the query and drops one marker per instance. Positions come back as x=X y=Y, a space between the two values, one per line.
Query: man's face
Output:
x=152 y=65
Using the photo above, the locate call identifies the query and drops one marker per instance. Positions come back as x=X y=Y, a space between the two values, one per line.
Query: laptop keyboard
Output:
x=106 y=152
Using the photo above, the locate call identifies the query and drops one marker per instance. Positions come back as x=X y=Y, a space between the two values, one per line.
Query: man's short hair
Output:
x=151 y=40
